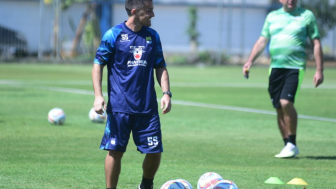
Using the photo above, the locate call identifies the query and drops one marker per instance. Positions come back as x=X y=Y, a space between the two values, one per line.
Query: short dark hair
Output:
x=134 y=4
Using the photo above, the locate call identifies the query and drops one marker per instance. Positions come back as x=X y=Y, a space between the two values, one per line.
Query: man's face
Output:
x=146 y=14
x=288 y=5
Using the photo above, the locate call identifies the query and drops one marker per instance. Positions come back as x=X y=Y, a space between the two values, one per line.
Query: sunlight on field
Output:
x=220 y=122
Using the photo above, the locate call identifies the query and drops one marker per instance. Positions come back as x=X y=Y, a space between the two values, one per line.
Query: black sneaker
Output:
x=141 y=187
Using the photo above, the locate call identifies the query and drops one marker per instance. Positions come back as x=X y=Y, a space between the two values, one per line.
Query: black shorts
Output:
x=284 y=84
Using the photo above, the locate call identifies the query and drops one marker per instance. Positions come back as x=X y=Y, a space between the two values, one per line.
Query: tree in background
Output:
x=325 y=13
x=92 y=33
x=192 y=29
x=89 y=24
x=92 y=29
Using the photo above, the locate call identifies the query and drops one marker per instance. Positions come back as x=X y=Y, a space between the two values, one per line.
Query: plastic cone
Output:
x=274 y=180
x=297 y=181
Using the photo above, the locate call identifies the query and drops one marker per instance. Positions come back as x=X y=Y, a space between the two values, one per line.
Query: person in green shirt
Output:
x=287 y=30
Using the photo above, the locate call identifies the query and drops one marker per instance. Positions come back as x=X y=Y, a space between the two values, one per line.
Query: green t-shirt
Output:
x=288 y=34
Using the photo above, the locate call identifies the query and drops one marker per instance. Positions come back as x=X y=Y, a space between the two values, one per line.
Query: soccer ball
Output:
x=173 y=184
x=225 y=184
x=186 y=184
x=56 y=116
x=208 y=180
x=94 y=117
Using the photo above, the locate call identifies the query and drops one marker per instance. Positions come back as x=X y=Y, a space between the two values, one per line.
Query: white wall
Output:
x=170 y=22
x=172 y=26
x=22 y=17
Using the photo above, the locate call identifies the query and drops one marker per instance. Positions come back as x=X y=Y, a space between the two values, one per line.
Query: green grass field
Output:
x=219 y=122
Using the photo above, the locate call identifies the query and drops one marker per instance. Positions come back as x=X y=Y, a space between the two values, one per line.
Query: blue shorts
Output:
x=146 y=131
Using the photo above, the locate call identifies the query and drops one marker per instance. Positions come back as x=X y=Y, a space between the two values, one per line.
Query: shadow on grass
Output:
x=321 y=157
x=311 y=157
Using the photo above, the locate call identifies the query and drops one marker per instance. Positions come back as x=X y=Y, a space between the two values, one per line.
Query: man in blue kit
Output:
x=131 y=51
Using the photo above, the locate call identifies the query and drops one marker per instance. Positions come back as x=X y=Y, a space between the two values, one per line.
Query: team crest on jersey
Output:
x=149 y=40
x=113 y=141
x=137 y=54
x=137 y=51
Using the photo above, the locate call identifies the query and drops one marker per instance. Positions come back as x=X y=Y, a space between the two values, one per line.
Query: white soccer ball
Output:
x=173 y=184
x=208 y=180
x=56 y=116
x=94 y=117
x=186 y=184
x=225 y=184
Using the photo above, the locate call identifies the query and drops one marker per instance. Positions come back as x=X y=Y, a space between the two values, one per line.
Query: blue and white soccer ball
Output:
x=173 y=184
x=56 y=116
x=208 y=180
x=225 y=184
x=98 y=118
x=186 y=184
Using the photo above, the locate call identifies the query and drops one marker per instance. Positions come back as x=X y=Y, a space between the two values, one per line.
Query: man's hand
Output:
x=165 y=104
x=99 y=105
x=318 y=78
x=246 y=69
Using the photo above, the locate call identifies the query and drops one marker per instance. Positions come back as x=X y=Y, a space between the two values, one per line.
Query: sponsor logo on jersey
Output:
x=124 y=38
x=137 y=54
x=149 y=40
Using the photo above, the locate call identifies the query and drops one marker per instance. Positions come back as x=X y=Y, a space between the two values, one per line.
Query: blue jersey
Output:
x=131 y=58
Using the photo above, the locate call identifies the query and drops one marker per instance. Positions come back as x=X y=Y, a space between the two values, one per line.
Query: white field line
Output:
x=250 y=110
x=180 y=102
x=247 y=85
x=173 y=84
